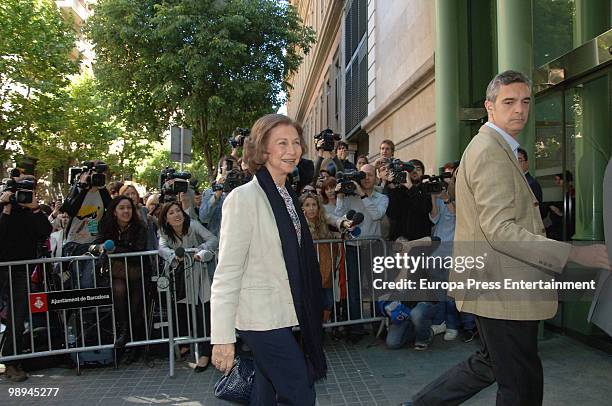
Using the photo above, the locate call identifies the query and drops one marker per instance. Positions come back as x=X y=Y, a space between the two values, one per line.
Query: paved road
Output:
x=362 y=374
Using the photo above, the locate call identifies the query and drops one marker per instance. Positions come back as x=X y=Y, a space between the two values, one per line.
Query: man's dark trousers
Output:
x=509 y=355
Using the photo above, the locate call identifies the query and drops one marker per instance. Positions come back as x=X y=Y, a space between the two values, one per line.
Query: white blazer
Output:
x=250 y=289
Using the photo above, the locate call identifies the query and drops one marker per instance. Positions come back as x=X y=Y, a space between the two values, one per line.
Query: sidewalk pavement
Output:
x=362 y=374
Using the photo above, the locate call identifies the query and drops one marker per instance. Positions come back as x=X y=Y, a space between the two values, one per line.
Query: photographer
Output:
x=325 y=143
x=373 y=206
x=341 y=153
x=213 y=197
x=23 y=227
x=409 y=206
x=85 y=207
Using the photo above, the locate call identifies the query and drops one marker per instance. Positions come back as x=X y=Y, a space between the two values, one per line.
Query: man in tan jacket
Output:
x=498 y=214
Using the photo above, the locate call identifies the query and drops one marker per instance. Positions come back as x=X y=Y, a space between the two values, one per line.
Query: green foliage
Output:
x=552 y=22
x=149 y=175
x=84 y=129
x=35 y=47
x=211 y=65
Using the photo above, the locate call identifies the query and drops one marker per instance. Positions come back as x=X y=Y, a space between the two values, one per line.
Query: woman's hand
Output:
x=223 y=357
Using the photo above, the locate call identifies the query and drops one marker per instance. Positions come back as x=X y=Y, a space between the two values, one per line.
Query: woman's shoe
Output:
x=199 y=368
x=132 y=356
x=122 y=339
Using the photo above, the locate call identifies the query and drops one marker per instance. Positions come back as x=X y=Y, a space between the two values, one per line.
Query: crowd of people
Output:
x=94 y=213
x=392 y=197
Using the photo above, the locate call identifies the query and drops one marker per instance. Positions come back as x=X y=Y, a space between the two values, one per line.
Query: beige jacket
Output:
x=497 y=213
x=250 y=289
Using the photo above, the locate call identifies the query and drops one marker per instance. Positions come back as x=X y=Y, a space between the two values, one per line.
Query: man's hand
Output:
x=592 y=256
x=358 y=189
x=337 y=190
x=223 y=357
x=5 y=197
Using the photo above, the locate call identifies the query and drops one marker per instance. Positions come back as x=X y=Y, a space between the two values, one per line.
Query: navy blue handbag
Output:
x=238 y=384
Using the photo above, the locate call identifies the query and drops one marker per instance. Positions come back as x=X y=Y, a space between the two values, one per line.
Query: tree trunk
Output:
x=208 y=159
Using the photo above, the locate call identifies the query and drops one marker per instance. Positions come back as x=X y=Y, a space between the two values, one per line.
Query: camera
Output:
x=239 y=136
x=434 y=184
x=399 y=170
x=95 y=174
x=294 y=179
x=23 y=190
x=345 y=179
x=216 y=187
x=329 y=139
x=234 y=179
x=171 y=183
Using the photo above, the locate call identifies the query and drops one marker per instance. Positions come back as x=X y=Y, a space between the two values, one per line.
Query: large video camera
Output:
x=234 y=178
x=239 y=136
x=345 y=180
x=329 y=139
x=23 y=190
x=434 y=184
x=171 y=183
x=95 y=174
x=399 y=170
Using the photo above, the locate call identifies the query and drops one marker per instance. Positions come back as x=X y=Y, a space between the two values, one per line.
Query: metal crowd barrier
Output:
x=70 y=312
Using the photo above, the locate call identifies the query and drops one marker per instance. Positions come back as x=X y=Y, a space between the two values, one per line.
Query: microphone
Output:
x=98 y=249
x=179 y=252
x=205 y=255
x=179 y=255
x=354 y=218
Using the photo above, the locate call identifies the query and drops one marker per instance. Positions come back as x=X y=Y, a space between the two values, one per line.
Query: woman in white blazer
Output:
x=268 y=280
x=192 y=286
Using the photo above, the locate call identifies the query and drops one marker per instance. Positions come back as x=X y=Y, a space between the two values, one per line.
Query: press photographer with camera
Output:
x=355 y=191
x=210 y=211
x=325 y=143
x=23 y=227
x=85 y=206
x=409 y=205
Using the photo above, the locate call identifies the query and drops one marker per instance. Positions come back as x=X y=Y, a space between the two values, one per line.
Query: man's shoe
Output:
x=15 y=374
x=421 y=346
x=438 y=328
x=451 y=334
x=469 y=335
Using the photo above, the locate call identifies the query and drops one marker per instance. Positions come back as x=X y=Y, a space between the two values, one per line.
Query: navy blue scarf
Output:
x=303 y=272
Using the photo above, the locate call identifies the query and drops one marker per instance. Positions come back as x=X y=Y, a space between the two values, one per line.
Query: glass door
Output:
x=573 y=147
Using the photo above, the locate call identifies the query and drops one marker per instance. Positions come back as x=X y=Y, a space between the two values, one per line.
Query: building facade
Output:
x=77 y=11
x=416 y=71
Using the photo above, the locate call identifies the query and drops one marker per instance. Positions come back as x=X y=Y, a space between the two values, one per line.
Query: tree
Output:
x=35 y=47
x=84 y=129
x=211 y=65
x=149 y=176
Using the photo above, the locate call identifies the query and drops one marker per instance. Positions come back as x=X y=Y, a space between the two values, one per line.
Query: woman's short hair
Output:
x=255 y=146
x=163 y=221
x=327 y=183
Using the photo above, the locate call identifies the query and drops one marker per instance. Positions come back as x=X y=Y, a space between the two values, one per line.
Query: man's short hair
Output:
x=389 y=143
x=523 y=152
x=504 y=79
x=416 y=162
x=341 y=144
x=380 y=162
